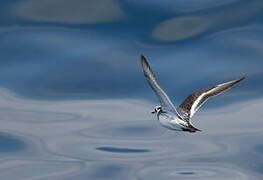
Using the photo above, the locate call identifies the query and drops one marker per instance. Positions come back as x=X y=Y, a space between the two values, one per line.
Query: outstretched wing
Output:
x=162 y=96
x=194 y=101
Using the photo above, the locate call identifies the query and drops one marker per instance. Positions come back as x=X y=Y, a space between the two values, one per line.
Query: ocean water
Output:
x=74 y=103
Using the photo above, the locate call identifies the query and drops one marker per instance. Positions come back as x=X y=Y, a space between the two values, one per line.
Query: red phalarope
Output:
x=179 y=118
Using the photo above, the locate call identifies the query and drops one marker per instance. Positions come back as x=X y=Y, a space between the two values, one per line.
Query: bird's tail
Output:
x=192 y=128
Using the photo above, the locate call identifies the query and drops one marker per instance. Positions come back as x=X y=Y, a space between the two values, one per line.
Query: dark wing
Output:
x=193 y=102
x=162 y=96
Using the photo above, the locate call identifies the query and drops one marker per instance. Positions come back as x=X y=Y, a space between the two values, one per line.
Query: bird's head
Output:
x=157 y=109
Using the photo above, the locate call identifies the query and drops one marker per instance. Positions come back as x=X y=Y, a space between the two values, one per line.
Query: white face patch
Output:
x=158 y=108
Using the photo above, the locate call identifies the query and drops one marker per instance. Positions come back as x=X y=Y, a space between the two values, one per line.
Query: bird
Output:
x=179 y=118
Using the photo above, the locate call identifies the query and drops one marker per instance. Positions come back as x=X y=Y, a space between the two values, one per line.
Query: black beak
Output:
x=153 y=112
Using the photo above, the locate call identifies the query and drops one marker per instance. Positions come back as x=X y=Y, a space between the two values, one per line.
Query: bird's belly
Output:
x=169 y=123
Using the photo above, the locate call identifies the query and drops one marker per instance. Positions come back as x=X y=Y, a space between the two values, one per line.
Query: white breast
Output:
x=170 y=121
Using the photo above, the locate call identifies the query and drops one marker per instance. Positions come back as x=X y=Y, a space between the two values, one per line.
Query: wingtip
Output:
x=144 y=61
x=241 y=79
x=236 y=81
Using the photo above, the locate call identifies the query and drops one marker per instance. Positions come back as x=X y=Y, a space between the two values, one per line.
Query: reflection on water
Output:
x=10 y=144
x=122 y=150
x=95 y=147
x=187 y=173
x=74 y=103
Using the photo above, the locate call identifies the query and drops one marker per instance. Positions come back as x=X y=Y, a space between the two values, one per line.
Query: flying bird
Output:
x=179 y=118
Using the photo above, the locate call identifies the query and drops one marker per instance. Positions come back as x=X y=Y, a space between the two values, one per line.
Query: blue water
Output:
x=74 y=103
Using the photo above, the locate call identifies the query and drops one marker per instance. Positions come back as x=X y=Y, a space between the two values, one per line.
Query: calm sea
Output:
x=74 y=103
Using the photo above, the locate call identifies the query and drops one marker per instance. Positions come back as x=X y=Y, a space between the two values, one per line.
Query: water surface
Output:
x=74 y=103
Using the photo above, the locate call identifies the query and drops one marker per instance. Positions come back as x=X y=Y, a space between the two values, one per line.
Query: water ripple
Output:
x=28 y=169
x=187 y=171
x=10 y=143
x=122 y=150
